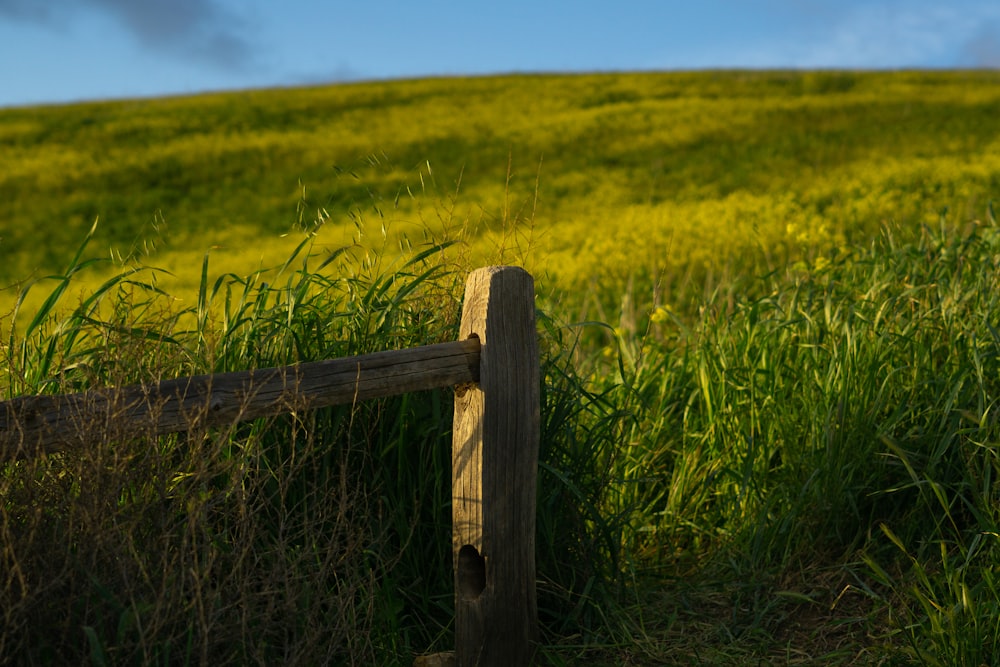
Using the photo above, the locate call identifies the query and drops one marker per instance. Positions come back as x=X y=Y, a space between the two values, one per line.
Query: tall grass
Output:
x=267 y=542
x=836 y=435
x=799 y=468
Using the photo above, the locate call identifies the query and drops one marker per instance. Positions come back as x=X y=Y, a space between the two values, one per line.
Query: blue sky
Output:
x=54 y=51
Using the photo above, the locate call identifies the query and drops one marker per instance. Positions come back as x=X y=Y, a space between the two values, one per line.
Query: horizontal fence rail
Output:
x=36 y=424
x=495 y=441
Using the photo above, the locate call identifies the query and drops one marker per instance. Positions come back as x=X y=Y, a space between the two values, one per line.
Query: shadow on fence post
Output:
x=494 y=471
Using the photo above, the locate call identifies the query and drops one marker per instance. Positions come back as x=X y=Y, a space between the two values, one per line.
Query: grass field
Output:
x=770 y=326
x=677 y=177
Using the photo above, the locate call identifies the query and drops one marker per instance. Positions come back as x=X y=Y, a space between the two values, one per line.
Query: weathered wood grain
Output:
x=494 y=470
x=36 y=424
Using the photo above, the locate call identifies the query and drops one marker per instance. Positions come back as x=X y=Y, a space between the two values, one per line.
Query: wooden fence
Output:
x=494 y=368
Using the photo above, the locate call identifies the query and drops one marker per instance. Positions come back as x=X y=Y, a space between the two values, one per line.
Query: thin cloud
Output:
x=25 y=10
x=880 y=36
x=892 y=35
x=983 y=49
x=192 y=29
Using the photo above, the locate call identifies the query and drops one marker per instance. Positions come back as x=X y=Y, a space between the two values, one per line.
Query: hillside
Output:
x=767 y=309
x=670 y=175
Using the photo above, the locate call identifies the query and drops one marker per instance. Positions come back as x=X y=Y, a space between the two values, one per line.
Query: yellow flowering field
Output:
x=591 y=180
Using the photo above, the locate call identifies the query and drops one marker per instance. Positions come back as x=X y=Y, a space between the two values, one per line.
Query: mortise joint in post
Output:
x=471 y=573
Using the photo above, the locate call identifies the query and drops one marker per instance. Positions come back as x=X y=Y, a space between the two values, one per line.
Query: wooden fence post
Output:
x=494 y=472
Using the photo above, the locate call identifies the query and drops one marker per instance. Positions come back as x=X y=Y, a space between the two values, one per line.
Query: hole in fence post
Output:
x=471 y=573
